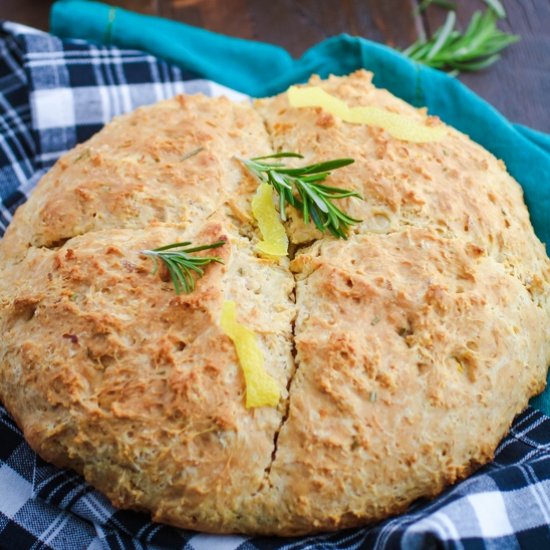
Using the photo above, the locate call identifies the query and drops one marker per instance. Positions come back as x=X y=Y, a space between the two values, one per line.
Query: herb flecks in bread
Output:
x=401 y=353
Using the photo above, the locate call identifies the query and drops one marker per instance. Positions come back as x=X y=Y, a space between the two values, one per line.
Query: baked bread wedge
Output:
x=321 y=388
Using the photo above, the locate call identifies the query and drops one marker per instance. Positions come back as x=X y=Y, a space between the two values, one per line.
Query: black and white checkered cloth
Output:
x=54 y=94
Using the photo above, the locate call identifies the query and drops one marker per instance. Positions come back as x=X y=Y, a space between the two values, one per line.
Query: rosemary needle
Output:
x=497 y=7
x=181 y=265
x=441 y=3
x=302 y=188
x=192 y=153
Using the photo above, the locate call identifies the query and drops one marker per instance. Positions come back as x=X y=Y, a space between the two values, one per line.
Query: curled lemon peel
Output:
x=261 y=389
x=399 y=126
x=275 y=240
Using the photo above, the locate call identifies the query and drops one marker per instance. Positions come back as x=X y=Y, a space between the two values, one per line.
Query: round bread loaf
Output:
x=402 y=353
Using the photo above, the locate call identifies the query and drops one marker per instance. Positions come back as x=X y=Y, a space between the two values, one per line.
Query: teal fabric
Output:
x=260 y=69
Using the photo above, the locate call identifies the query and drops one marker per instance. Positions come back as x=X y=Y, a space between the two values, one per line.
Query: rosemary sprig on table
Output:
x=495 y=5
x=302 y=188
x=425 y=4
x=181 y=265
x=475 y=49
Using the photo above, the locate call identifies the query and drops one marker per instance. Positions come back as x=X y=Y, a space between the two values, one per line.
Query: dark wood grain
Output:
x=221 y=16
x=518 y=85
x=29 y=12
x=298 y=25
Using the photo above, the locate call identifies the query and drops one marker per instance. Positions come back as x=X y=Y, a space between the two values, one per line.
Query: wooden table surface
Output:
x=518 y=85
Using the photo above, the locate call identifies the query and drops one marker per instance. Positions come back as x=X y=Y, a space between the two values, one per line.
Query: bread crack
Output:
x=286 y=405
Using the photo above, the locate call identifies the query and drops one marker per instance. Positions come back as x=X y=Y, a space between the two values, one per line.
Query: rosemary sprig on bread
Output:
x=181 y=265
x=302 y=188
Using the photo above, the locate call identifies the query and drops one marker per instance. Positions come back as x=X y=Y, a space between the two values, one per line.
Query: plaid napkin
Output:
x=54 y=94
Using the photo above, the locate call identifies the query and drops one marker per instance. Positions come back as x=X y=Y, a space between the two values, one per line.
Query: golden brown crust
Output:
x=111 y=373
x=406 y=344
x=452 y=185
x=416 y=341
x=138 y=171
